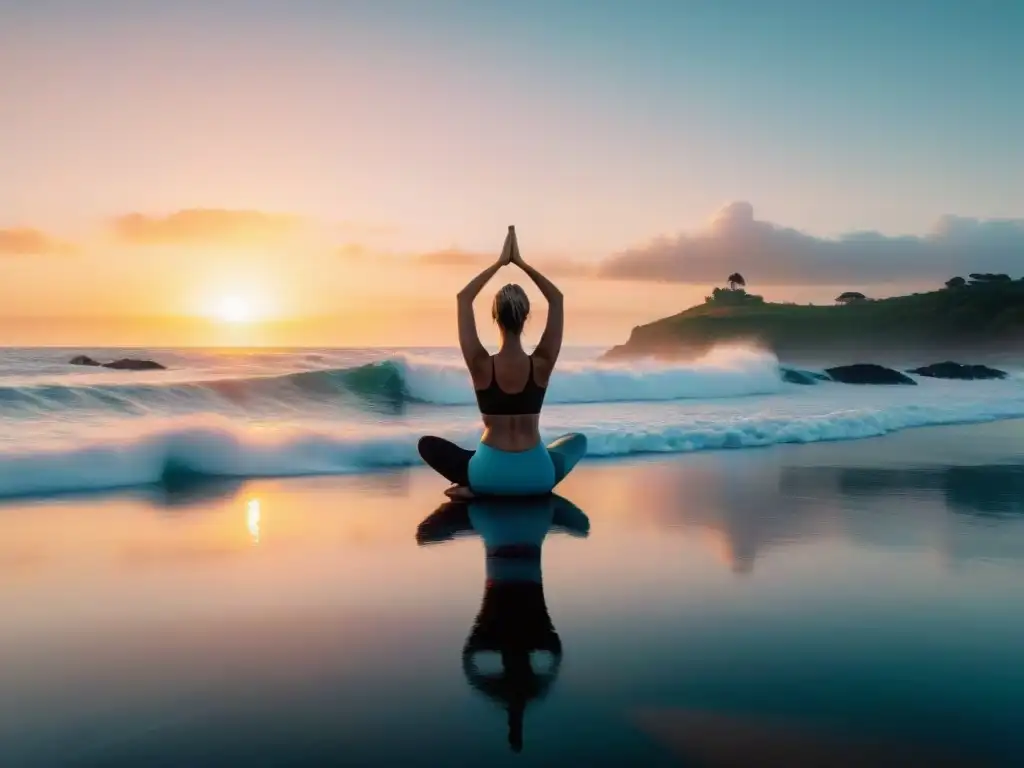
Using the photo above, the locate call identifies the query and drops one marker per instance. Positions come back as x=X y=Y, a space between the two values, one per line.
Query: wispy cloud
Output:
x=353 y=252
x=205 y=226
x=734 y=240
x=455 y=257
x=449 y=257
x=24 y=241
x=367 y=229
x=769 y=254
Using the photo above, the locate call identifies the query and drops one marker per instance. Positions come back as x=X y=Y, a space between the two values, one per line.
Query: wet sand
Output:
x=871 y=588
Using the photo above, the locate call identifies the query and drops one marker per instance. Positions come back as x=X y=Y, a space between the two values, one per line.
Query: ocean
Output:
x=241 y=561
x=296 y=412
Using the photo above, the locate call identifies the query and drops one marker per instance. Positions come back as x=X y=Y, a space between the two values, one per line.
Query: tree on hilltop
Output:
x=735 y=281
x=849 y=297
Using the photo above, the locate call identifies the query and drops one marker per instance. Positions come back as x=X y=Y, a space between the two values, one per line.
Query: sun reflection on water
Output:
x=252 y=517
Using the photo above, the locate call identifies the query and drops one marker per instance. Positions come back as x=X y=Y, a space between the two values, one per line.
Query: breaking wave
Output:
x=727 y=372
x=150 y=451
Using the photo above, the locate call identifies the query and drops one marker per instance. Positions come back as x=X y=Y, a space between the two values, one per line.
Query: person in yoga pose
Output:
x=510 y=388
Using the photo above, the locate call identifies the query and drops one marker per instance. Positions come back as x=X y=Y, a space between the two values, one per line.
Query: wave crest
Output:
x=148 y=451
x=724 y=372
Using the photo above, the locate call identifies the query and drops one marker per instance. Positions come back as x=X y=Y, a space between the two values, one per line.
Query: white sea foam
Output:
x=729 y=371
x=725 y=372
x=147 y=450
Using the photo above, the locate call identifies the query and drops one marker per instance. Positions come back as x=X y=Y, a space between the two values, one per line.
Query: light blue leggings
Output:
x=524 y=473
x=490 y=471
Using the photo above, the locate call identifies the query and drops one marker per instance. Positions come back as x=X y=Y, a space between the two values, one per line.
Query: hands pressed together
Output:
x=510 y=250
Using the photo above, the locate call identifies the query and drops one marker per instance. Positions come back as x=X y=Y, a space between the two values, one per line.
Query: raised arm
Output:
x=472 y=350
x=551 y=340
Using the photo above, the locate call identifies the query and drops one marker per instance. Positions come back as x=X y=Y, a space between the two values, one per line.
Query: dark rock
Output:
x=82 y=360
x=868 y=373
x=793 y=376
x=128 y=364
x=951 y=370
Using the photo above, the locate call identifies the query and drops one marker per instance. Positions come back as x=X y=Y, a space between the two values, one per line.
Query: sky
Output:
x=330 y=172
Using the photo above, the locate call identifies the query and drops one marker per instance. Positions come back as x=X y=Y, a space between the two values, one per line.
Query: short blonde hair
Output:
x=511 y=308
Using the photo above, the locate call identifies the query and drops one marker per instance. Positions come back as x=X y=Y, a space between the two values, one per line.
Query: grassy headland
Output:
x=981 y=317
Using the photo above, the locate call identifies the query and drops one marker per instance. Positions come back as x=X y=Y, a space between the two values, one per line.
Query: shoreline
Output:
x=214 y=623
x=934 y=441
x=349 y=414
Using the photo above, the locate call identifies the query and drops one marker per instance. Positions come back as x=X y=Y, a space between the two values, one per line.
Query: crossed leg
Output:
x=565 y=452
x=452 y=461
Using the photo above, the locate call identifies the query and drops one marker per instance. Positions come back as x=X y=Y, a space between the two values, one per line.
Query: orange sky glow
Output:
x=193 y=279
x=217 y=174
x=222 y=277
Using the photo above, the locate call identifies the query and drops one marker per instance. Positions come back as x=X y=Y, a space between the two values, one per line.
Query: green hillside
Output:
x=984 y=316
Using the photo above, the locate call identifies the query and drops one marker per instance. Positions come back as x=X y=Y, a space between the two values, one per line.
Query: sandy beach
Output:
x=869 y=586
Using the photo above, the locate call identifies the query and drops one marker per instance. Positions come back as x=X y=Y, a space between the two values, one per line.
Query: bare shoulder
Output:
x=480 y=371
x=543 y=367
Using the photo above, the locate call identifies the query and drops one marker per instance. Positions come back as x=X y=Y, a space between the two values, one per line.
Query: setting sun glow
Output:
x=234 y=309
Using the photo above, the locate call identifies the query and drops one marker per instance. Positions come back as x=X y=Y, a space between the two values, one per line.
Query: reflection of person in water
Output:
x=513 y=620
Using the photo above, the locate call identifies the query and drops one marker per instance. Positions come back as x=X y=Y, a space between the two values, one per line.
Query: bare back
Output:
x=511 y=372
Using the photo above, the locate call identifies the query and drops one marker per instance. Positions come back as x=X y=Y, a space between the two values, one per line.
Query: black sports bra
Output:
x=493 y=401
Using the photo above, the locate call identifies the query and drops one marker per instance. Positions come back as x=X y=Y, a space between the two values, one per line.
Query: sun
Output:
x=234 y=309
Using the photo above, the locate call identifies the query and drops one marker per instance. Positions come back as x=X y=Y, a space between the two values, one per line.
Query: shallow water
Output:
x=279 y=413
x=861 y=599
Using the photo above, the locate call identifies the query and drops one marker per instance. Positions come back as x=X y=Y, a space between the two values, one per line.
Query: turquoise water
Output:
x=861 y=599
x=300 y=412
